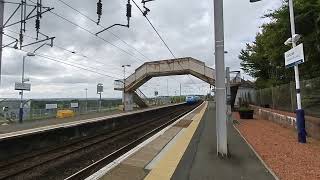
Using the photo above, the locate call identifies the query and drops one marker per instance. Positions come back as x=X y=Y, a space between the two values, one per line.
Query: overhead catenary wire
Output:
x=155 y=30
x=110 y=42
x=69 y=64
x=75 y=53
x=74 y=65
x=113 y=34
x=91 y=59
x=106 y=41
x=93 y=34
x=153 y=27
x=124 y=51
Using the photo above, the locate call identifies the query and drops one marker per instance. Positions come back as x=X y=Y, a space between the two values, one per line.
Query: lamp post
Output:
x=86 y=89
x=124 y=84
x=22 y=81
x=100 y=91
x=299 y=112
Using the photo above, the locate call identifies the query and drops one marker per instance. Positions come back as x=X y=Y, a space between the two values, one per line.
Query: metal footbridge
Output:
x=169 y=67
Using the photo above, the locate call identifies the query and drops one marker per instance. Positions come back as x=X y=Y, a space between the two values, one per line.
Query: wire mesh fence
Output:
x=284 y=97
x=39 y=109
x=39 y=114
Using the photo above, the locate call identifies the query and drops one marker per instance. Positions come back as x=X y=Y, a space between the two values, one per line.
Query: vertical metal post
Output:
x=124 y=87
x=86 y=89
x=1 y=31
x=272 y=98
x=221 y=119
x=299 y=111
x=21 y=92
x=180 y=94
x=100 y=102
x=167 y=87
x=260 y=92
x=291 y=97
x=228 y=93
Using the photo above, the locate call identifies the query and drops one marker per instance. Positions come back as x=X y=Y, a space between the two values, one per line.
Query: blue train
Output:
x=192 y=99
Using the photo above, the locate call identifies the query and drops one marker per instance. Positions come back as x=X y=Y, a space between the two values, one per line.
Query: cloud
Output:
x=186 y=26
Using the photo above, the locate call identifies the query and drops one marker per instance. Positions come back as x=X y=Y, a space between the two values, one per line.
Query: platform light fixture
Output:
x=23 y=80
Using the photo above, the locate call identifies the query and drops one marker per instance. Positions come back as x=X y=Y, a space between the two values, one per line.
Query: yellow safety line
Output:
x=165 y=168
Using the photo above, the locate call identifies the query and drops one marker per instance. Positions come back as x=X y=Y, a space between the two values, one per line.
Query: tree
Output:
x=264 y=58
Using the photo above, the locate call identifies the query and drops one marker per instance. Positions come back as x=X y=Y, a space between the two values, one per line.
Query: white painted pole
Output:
x=1 y=31
x=296 y=68
x=221 y=109
x=299 y=111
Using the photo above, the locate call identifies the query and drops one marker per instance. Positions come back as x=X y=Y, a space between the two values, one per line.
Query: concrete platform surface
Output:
x=17 y=129
x=201 y=162
x=136 y=166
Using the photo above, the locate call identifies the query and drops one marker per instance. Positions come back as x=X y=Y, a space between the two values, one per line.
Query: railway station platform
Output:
x=187 y=150
x=53 y=123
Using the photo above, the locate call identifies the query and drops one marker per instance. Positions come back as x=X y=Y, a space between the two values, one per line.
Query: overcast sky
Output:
x=186 y=26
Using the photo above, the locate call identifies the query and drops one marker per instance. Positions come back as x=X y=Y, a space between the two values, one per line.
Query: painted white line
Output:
x=116 y=162
x=259 y=157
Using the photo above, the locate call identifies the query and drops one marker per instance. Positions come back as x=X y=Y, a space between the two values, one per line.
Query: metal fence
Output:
x=35 y=114
x=284 y=97
x=38 y=114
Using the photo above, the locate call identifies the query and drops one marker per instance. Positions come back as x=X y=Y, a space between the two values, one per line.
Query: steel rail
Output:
x=82 y=174
x=113 y=135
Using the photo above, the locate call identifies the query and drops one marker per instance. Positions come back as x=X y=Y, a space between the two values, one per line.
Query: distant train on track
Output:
x=192 y=99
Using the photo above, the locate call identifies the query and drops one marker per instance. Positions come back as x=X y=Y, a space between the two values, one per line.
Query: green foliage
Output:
x=177 y=99
x=243 y=103
x=264 y=58
x=244 y=109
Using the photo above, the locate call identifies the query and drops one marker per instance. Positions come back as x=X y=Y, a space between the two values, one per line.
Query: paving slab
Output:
x=125 y=172
x=200 y=160
x=135 y=167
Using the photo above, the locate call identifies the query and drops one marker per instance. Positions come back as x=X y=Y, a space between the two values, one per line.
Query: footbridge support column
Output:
x=128 y=101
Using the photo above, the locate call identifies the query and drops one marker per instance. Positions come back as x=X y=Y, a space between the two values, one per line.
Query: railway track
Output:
x=79 y=159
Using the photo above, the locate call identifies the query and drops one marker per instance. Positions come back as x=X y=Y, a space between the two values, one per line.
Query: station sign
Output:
x=51 y=106
x=118 y=84
x=99 y=88
x=22 y=86
x=74 y=105
x=294 y=56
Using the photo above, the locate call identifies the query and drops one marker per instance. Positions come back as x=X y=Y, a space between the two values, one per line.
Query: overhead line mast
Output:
x=24 y=17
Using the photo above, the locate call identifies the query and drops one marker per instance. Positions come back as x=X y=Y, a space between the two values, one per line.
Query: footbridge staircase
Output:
x=170 y=67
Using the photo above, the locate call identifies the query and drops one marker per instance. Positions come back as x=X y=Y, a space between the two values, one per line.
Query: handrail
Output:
x=140 y=94
x=193 y=67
